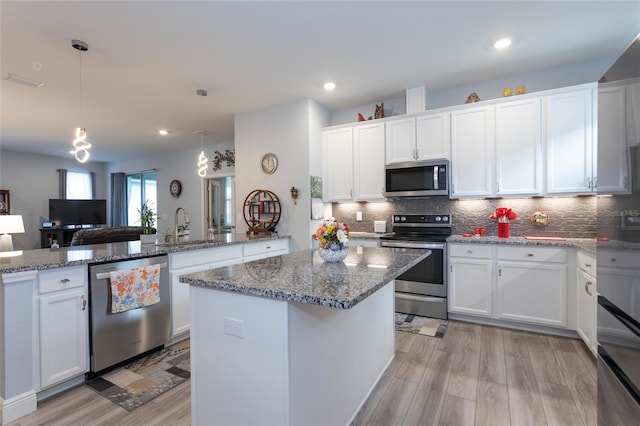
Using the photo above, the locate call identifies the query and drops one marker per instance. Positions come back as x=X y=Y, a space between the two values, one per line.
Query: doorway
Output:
x=219 y=194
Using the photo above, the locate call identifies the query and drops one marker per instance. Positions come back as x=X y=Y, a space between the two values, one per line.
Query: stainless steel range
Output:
x=422 y=290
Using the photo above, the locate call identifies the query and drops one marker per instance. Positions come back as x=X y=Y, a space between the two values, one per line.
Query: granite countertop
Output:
x=586 y=245
x=304 y=277
x=39 y=259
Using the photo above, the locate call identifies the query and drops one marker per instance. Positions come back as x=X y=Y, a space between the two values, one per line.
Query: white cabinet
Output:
x=472 y=151
x=532 y=285
x=189 y=262
x=518 y=148
x=586 y=300
x=368 y=162
x=199 y=260
x=353 y=163
x=570 y=154
x=471 y=279
x=63 y=324
x=425 y=137
x=337 y=164
x=613 y=163
x=363 y=242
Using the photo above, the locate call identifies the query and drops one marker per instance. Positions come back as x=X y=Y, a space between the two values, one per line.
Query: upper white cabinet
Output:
x=353 y=163
x=425 y=137
x=613 y=166
x=518 y=148
x=368 y=162
x=337 y=163
x=571 y=160
x=472 y=151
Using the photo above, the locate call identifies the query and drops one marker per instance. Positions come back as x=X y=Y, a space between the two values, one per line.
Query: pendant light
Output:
x=80 y=144
x=202 y=159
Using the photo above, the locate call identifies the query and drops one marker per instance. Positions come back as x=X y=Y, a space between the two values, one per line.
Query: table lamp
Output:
x=9 y=224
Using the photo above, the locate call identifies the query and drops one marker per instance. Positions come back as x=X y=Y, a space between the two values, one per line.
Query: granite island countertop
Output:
x=304 y=277
x=41 y=259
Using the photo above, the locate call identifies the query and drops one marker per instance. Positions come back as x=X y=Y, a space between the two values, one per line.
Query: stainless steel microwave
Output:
x=417 y=179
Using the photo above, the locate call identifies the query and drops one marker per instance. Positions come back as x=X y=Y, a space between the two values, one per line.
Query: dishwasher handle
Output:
x=107 y=275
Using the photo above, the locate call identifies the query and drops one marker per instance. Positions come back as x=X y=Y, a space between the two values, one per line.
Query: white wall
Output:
x=180 y=165
x=32 y=180
x=287 y=130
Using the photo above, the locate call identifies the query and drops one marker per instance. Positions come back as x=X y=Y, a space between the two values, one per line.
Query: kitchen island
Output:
x=291 y=339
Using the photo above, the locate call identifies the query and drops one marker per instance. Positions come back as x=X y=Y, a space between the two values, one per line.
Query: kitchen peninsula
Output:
x=291 y=339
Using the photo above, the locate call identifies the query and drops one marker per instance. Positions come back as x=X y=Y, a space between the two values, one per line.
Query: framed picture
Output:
x=316 y=187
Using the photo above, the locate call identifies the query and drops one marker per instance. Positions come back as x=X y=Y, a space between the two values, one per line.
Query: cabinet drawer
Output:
x=61 y=279
x=268 y=246
x=470 y=251
x=618 y=259
x=587 y=263
x=535 y=254
x=204 y=257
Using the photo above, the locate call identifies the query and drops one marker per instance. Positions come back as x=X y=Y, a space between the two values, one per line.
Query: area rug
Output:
x=144 y=379
x=420 y=325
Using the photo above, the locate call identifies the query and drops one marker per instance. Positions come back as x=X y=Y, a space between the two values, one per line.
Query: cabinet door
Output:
x=613 y=165
x=569 y=142
x=470 y=286
x=368 y=167
x=64 y=341
x=518 y=144
x=400 y=140
x=532 y=292
x=586 y=324
x=433 y=136
x=472 y=152
x=338 y=165
x=180 y=304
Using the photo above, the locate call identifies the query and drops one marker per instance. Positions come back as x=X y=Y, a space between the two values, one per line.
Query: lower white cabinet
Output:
x=586 y=307
x=199 y=260
x=523 y=284
x=63 y=324
x=471 y=280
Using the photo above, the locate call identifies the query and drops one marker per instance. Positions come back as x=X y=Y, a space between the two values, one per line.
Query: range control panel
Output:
x=426 y=219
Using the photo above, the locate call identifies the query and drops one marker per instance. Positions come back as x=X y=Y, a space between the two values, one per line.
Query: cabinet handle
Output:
x=351 y=193
x=613 y=259
x=589 y=182
x=84 y=303
x=497 y=186
x=500 y=272
x=470 y=251
x=625 y=182
x=451 y=268
x=587 y=265
x=268 y=247
x=586 y=287
x=595 y=183
x=65 y=280
x=530 y=254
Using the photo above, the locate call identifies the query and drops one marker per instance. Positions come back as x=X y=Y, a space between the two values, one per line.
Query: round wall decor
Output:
x=269 y=163
x=175 y=187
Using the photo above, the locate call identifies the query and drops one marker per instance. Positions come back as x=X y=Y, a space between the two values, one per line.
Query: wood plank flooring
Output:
x=475 y=375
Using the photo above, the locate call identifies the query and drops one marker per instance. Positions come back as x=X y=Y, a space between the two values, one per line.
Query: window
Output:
x=141 y=187
x=79 y=185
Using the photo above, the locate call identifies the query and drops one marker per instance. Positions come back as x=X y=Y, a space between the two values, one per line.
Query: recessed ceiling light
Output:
x=503 y=43
x=330 y=85
x=163 y=132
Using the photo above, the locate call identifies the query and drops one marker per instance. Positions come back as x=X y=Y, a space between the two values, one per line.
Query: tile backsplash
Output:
x=570 y=217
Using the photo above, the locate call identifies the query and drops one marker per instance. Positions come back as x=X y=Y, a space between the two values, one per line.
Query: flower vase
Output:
x=503 y=229
x=332 y=256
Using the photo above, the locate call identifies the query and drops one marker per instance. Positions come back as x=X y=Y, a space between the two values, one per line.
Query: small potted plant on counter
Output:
x=183 y=233
x=147 y=221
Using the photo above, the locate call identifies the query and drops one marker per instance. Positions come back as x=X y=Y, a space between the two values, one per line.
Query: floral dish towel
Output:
x=135 y=288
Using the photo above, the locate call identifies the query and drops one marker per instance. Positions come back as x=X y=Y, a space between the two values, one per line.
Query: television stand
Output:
x=61 y=235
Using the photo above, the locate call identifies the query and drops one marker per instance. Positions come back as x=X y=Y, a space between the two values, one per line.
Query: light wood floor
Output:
x=475 y=375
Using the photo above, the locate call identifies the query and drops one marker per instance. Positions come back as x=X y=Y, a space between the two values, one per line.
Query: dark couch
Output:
x=107 y=235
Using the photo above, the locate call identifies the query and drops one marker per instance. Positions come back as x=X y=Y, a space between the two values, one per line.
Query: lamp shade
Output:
x=11 y=224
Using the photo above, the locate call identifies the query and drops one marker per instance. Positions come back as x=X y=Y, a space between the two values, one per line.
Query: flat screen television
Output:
x=74 y=213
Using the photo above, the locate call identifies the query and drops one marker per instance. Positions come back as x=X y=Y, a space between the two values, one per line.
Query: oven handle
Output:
x=432 y=299
x=412 y=244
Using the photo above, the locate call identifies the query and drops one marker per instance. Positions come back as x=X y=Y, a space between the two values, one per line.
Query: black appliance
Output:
x=72 y=213
x=417 y=179
x=422 y=290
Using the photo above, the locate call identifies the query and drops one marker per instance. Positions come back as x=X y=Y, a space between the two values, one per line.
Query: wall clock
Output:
x=175 y=187
x=269 y=163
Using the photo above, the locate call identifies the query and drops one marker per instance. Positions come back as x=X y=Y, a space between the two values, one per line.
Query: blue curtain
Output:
x=118 y=199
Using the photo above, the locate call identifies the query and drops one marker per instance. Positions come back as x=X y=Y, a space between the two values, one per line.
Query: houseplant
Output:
x=333 y=237
x=147 y=221
x=183 y=233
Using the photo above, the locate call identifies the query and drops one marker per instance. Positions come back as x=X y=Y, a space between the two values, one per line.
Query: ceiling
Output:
x=146 y=60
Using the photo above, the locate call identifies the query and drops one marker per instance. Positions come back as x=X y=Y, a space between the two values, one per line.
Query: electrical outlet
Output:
x=359 y=216
x=233 y=327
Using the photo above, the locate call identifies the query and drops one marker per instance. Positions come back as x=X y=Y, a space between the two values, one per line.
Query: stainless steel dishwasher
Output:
x=117 y=337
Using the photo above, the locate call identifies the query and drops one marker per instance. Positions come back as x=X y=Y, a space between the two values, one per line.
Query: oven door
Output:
x=428 y=277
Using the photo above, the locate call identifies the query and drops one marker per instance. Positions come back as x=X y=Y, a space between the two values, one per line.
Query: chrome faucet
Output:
x=186 y=221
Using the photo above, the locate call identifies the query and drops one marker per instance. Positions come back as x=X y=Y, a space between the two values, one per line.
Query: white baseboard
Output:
x=515 y=325
x=18 y=406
